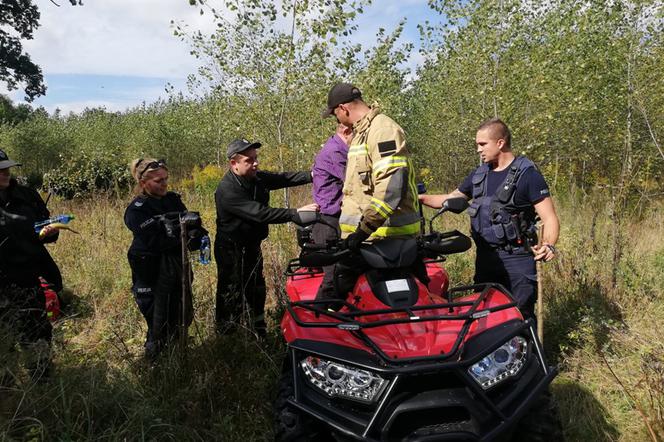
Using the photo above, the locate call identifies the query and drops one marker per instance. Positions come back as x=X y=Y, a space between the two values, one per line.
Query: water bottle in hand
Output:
x=205 y=250
x=63 y=219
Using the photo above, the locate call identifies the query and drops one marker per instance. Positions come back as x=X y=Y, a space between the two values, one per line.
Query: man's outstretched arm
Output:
x=437 y=201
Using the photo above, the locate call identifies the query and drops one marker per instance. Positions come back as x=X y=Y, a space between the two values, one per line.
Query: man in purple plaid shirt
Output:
x=329 y=171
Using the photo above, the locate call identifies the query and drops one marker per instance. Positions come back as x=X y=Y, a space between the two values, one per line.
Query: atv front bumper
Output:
x=424 y=401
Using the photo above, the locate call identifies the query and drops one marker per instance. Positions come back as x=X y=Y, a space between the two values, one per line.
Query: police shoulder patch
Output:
x=387 y=148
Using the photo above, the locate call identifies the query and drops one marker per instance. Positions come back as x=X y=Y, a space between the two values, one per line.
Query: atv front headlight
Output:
x=340 y=380
x=505 y=361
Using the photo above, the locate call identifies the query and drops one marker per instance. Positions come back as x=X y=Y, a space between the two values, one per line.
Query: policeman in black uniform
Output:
x=508 y=194
x=23 y=259
x=155 y=254
x=243 y=215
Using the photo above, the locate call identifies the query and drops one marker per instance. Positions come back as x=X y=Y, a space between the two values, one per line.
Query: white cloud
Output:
x=115 y=37
x=134 y=38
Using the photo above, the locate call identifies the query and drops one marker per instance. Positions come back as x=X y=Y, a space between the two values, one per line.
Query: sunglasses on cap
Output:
x=152 y=165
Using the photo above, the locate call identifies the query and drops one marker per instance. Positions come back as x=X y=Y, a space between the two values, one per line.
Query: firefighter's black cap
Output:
x=339 y=94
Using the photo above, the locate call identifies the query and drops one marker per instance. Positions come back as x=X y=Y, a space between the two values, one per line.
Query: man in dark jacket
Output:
x=243 y=214
x=23 y=259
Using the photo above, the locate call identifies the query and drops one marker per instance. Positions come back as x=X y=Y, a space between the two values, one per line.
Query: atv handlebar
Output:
x=432 y=245
x=454 y=205
x=445 y=243
x=323 y=257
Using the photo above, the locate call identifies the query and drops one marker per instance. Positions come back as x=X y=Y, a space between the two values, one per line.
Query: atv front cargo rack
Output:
x=347 y=320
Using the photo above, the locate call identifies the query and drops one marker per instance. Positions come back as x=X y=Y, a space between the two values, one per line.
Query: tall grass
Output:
x=605 y=334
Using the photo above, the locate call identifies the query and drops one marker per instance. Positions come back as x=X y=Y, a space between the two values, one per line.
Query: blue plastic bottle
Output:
x=205 y=250
x=64 y=219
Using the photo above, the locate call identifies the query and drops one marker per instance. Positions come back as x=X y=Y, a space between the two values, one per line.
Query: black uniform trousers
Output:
x=240 y=283
x=515 y=270
x=157 y=288
x=321 y=234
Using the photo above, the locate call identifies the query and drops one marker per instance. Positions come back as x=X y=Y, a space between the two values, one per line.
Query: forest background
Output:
x=579 y=83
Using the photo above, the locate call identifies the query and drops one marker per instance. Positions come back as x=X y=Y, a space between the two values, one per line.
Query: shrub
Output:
x=81 y=176
x=204 y=179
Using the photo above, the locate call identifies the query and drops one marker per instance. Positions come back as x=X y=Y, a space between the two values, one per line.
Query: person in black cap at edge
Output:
x=23 y=259
x=243 y=214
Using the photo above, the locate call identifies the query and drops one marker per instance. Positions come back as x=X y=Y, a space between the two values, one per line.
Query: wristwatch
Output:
x=551 y=247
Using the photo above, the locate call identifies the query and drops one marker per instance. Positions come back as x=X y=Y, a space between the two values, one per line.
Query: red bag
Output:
x=52 y=301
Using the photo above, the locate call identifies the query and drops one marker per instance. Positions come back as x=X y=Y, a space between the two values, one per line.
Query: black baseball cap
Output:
x=240 y=145
x=339 y=94
x=5 y=162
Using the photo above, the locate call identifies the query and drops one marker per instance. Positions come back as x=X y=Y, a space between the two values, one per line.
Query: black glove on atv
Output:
x=355 y=239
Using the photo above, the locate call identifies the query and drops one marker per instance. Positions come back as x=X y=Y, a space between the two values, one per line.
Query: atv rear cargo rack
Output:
x=348 y=320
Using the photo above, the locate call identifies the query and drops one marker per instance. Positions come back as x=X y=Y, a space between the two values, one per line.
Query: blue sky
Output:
x=121 y=53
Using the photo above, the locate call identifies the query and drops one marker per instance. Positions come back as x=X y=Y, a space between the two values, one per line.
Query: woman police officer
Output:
x=155 y=254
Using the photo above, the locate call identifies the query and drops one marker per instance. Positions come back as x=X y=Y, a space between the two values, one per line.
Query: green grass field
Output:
x=604 y=298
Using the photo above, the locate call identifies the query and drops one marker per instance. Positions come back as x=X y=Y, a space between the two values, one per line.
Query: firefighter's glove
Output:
x=356 y=239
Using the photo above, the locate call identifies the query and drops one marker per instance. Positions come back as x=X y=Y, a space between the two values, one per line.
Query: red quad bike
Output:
x=399 y=360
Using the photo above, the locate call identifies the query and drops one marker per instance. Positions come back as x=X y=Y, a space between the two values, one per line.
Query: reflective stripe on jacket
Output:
x=380 y=193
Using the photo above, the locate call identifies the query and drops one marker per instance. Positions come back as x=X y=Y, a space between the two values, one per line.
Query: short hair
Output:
x=498 y=129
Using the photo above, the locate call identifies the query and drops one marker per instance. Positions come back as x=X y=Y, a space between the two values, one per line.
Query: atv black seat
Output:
x=390 y=253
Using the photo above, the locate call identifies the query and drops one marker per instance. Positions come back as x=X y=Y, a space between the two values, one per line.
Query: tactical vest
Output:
x=496 y=220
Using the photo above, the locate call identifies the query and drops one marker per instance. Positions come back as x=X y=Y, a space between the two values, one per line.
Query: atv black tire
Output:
x=541 y=423
x=290 y=424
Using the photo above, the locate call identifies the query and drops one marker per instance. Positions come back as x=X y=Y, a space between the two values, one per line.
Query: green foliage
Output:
x=272 y=63
x=579 y=112
x=81 y=176
x=381 y=72
x=182 y=132
x=204 y=180
x=10 y=114
x=22 y=17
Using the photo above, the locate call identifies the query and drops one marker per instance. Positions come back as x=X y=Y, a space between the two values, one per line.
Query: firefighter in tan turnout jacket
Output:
x=380 y=194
